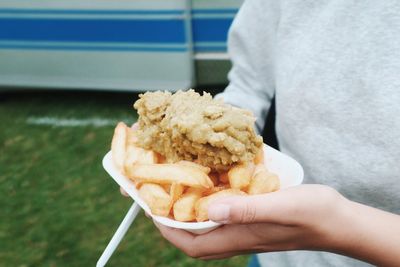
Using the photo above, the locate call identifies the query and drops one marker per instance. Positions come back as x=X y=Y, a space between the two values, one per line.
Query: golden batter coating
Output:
x=194 y=127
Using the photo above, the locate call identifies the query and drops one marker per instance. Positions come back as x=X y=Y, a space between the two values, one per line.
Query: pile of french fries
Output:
x=183 y=190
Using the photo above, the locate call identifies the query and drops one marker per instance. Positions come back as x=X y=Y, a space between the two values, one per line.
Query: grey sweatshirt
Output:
x=334 y=67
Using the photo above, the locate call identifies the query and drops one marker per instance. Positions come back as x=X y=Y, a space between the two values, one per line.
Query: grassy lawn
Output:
x=58 y=206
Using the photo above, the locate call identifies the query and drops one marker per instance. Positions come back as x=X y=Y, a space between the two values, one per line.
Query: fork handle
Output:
x=119 y=234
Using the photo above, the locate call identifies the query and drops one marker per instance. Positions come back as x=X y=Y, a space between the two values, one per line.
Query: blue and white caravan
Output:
x=113 y=45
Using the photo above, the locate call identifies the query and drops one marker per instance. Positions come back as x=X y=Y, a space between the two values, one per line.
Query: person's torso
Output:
x=338 y=95
x=337 y=78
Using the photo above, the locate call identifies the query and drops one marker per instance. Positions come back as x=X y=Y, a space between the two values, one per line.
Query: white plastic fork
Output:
x=119 y=234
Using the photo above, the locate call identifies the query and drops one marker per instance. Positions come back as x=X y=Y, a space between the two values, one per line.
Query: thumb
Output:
x=238 y=210
x=245 y=209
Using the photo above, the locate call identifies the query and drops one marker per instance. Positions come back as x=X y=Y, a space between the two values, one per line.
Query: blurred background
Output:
x=69 y=71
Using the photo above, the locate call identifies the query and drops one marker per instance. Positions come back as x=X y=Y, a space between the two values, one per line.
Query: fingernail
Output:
x=219 y=213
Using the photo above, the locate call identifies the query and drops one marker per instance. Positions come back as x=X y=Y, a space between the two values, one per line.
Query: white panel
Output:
x=96 y=70
x=100 y=69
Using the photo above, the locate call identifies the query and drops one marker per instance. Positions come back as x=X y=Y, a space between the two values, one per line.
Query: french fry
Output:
x=131 y=137
x=216 y=189
x=168 y=174
x=159 y=201
x=195 y=190
x=214 y=177
x=118 y=145
x=259 y=168
x=183 y=208
x=167 y=187
x=223 y=177
x=240 y=175
x=259 y=158
x=135 y=154
x=175 y=191
x=204 y=169
x=263 y=182
x=160 y=158
x=201 y=206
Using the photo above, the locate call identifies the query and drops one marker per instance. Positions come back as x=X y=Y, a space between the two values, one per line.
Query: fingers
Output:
x=220 y=243
x=229 y=254
x=123 y=192
x=179 y=238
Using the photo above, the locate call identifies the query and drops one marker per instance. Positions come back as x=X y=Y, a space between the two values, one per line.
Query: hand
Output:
x=302 y=217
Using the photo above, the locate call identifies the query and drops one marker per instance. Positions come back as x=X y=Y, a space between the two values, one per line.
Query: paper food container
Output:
x=289 y=171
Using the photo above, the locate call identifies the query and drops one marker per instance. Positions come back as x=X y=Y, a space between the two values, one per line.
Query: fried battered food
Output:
x=193 y=127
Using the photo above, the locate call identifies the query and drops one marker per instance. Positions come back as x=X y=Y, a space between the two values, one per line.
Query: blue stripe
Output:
x=230 y=11
x=94 y=48
x=24 y=11
x=210 y=48
x=211 y=30
x=197 y=48
x=93 y=30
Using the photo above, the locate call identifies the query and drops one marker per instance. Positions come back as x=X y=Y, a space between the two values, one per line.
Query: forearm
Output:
x=368 y=234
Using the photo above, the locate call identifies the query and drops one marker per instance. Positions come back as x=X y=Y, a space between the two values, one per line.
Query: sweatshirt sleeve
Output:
x=251 y=47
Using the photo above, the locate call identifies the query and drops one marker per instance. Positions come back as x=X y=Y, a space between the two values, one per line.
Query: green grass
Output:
x=58 y=206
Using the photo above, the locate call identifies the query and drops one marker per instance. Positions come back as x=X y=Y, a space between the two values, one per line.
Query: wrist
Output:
x=333 y=224
x=340 y=235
